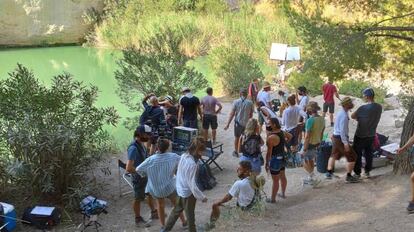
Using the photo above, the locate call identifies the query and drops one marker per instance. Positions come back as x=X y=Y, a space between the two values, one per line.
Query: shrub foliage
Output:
x=50 y=136
x=312 y=82
x=236 y=69
x=157 y=66
x=355 y=88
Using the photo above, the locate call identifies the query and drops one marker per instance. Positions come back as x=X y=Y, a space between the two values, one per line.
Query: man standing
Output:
x=187 y=190
x=210 y=112
x=153 y=116
x=242 y=111
x=189 y=107
x=340 y=142
x=314 y=128
x=290 y=120
x=368 y=117
x=137 y=153
x=304 y=99
x=329 y=90
x=264 y=97
x=160 y=169
x=408 y=145
x=253 y=90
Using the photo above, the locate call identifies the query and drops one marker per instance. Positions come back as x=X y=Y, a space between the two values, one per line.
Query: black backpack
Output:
x=205 y=179
x=251 y=145
x=40 y=221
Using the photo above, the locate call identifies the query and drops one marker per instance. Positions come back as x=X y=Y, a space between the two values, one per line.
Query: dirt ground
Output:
x=375 y=204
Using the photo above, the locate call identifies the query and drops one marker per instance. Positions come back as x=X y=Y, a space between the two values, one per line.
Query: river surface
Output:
x=90 y=65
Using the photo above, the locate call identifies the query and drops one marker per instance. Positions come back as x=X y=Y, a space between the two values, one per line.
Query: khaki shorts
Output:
x=338 y=150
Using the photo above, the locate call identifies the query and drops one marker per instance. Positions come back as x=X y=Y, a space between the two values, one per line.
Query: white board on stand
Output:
x=278 y=51
x=293 y=53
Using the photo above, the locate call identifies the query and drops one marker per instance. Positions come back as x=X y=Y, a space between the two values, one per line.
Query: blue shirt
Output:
x=160 y=170
x=153 y=113
x=137 y=152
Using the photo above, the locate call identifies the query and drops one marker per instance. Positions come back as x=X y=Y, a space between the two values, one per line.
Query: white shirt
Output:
x=341 y=126
x=304 y=102
x=186 y=178
x=282 y=72
x=290 y=117
x=264 y=97
x=243 y=191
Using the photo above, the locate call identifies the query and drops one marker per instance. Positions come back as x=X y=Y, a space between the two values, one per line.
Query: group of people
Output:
x=298 y=127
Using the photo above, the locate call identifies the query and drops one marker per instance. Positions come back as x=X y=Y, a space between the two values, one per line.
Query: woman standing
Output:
x=275 y=158
x=250 y=146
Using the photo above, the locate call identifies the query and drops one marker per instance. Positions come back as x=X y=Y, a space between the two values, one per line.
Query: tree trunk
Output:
x=402 y=164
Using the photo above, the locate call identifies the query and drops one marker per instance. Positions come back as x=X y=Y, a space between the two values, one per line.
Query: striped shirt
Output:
x=160 y=169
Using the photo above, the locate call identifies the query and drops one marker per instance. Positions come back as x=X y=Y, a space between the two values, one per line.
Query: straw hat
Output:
x=313 y=107
x=266 y=84
x=346 y=101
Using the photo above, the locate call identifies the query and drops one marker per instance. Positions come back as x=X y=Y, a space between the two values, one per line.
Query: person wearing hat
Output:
x=137 y=153
x=242 y=111
x=189 y=108
x=340 y=142
x=368 y=117
x=170 y=111
x=314 y=129
x=264 y=97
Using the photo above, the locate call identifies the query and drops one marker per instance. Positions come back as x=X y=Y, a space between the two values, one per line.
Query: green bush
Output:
x=50 y=137
x=355 y=88
x=312 y=82
x=235 y=68
x=157 y=66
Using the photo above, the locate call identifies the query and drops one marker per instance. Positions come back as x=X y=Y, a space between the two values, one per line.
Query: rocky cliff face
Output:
x=41 y=22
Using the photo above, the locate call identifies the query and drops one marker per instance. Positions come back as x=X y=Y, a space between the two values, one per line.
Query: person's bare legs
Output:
x=161 y=211
x=331 y=164
x=173 y=200
x=205 y=133
x=275 y=187
x=236 y=143
x=150 y=202
x=309 y=166
x=137 y=208
x=283 y=183
x=213 y=135
x=350 y=167
x=215 y=213
x=412 y=187
x=331 y=117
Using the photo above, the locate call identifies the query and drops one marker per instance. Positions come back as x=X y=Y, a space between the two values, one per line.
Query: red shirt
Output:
x=329 y=91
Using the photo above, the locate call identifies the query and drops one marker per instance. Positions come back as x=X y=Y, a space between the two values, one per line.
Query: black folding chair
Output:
x=212 y=152
x=123 y=174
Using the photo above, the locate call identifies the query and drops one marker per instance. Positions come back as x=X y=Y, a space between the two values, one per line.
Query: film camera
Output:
x=276 y=105
x=161 y=129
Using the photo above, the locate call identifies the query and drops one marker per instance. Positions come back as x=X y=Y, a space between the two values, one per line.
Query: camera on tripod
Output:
x=161 y=129
x=276 y=105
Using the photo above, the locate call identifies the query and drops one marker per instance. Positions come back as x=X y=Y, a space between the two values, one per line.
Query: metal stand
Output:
x=90 y=220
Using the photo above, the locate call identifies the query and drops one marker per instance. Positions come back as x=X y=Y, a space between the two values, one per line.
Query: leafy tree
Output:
x=157 y=66
x=359 y=35
x=50 y=136
x=236 y=69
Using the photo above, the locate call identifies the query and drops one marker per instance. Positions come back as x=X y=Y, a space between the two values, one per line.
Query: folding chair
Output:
x=122 y=173
x=211 y=153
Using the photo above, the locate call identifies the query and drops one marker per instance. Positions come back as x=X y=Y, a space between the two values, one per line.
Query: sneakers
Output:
x=357 y=176
x=410 y=207
x=351 y=179
x=311 y=182
x=367 y=175
x=235 y=154
x=329 y=176
x=141 y=222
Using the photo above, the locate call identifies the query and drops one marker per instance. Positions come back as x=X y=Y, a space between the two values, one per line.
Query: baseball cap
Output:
x=143 y=129
x=368 y=92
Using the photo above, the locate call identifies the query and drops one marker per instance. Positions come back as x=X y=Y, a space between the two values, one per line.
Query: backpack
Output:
x=205 y=179
x=251 y=145
x=42 y=222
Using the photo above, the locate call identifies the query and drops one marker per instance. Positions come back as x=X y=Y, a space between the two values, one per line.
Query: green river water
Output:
x=90 y=65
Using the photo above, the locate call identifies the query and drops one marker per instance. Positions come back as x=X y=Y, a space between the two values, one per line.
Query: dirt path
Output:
x=377 y=204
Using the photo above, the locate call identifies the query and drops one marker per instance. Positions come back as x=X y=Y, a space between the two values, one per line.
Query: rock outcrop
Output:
x=43 y=22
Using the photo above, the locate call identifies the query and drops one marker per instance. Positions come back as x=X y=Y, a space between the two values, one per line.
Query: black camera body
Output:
x=160 y=130
x=276 y=104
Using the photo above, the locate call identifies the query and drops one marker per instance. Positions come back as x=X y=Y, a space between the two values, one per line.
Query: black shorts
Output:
x=139 y=184
x=330 y=106
x=210 y=121
x=277 y=172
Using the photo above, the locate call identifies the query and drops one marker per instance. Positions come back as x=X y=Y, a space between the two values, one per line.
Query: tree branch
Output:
x=393 y=18
x=411 y=39
x=370 y=29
